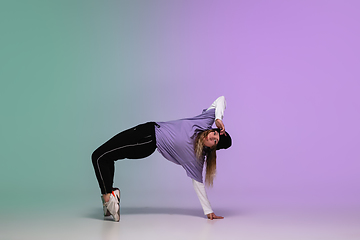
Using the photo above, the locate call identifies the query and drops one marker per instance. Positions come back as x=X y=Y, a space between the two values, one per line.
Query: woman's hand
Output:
x=220 y=125
x=212 y=216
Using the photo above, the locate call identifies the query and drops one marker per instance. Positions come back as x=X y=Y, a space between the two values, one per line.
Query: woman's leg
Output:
x=134 y=143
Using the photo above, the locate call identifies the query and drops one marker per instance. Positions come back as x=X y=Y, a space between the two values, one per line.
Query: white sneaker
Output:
x=106 y=212
x=113 y=205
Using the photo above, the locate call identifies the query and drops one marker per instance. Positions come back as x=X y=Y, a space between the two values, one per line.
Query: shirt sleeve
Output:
x=219 y=104
x=201 y=193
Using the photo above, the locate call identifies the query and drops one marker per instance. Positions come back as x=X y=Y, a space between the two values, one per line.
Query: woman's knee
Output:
x=94 y=157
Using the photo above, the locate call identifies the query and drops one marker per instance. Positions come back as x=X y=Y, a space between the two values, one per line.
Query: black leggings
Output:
x=134 y=143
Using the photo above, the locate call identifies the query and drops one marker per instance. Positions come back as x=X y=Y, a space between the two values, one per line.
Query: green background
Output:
x=57 y=97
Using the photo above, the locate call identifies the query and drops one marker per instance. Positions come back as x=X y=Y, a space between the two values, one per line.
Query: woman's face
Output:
x=211 y=139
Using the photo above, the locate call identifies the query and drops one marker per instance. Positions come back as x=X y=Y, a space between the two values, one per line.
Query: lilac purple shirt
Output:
x=175 y=141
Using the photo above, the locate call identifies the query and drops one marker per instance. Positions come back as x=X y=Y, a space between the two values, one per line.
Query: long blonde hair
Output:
x=210 y=154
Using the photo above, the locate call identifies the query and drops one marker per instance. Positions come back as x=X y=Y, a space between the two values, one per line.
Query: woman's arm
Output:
x=220 y=105
x=201 y=193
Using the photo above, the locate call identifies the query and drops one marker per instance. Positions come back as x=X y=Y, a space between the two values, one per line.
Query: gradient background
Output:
x=75 y=73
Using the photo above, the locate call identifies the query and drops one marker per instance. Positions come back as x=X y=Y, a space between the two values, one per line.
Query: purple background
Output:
x=289 y=71
x=76 y=73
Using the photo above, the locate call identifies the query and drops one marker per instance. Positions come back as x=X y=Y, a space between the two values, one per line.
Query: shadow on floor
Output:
x=195 y=212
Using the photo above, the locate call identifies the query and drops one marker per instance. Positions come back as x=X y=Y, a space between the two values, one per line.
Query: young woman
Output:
x=189 y=142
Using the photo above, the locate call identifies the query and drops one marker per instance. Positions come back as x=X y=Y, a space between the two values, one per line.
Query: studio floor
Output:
x=248 y=222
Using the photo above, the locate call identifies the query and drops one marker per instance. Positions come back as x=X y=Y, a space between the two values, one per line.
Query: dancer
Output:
x=189 y=142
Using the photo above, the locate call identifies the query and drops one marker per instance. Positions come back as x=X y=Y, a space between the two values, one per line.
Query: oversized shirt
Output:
x=175 y=141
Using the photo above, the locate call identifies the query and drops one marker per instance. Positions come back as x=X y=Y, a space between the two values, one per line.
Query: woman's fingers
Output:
x=212 y=216
x=222 y=131
x=217 y=217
